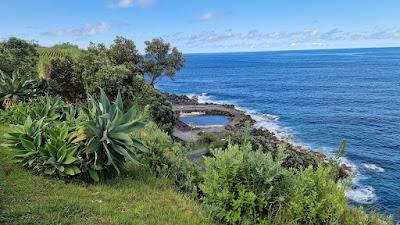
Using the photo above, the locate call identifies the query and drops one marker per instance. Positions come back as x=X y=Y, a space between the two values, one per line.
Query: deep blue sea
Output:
x=316 y=97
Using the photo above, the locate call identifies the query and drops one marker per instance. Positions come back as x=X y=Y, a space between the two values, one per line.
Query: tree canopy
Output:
x=161 y=60
x=19 y=55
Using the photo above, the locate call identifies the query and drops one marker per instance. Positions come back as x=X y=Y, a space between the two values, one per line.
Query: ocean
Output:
x=316 y=98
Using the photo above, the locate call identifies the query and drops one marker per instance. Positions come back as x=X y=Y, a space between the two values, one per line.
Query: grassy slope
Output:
x=136 y=199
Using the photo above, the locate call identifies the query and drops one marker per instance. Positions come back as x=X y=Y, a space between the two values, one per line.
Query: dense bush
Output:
x=293 y=159
x=15 y=88
x=68 y=79
x=160 y=109
x=16 y=114
x=357 y=216
x=18 y=55
x=213 y=141
x=169 y=159
x=161 y=112
x=111 y=68
x=44 y=107
x=317 y=198
x=243 y=186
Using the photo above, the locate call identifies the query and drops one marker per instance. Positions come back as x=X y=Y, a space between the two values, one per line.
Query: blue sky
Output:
x=207 y=25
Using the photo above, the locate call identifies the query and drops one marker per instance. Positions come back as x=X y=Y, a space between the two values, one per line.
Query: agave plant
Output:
x=48 y=107
x=60 y=156
x=106 y=135
x=25 y=141
x=16 y=88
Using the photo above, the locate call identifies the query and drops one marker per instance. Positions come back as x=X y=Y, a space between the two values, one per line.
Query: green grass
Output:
x=138 y=198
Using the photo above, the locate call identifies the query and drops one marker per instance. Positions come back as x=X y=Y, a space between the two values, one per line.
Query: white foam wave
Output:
x=362 y=194
x=373 y=167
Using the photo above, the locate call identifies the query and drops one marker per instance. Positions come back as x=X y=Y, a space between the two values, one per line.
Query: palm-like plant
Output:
x=15 y=88
x=25 y=142
x=60 y=156
x=107 y=135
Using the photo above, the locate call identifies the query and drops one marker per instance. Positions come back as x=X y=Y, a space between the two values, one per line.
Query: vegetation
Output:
x=243 y=186
x=18 y=55
x=57 y=52
x=69 y=82
x=75 y=156
x=16 y=88
x=136 y=198
x=106 y=135
x=161 y=60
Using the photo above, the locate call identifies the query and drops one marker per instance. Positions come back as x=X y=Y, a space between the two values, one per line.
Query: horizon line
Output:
x=291 y=50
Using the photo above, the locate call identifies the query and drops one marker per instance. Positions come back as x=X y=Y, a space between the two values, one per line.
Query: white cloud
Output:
x=207 y=16
x=256 y=39
x=131 y=3
x=87 y=30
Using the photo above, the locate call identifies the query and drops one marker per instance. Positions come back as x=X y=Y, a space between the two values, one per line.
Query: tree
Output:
x=160 y=60
x=69 y=80
x=123 y=51
x=18 y=55
x=110 y=68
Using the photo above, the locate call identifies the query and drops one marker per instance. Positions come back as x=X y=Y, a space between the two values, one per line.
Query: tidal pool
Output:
x=206 y=120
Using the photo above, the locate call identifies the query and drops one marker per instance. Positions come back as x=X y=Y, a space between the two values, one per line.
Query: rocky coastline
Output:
x=238 y=119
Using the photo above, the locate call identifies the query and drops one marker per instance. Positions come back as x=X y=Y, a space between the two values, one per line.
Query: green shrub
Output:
x=52 y=142
x=25 y=141
x=106 y=135
x=357 y=216
x=169 y=159
x=213 y=141
x=161 y=112
x=68 y=79
x=243 y=186
x=46 y=107
x=16 y=88
x=59 y=155
x=317 y=198
x=293 y=160
x=112 y=68
x=18 y=55
x=17 y=113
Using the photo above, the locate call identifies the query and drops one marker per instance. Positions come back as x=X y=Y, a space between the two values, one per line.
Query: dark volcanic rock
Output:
x=181 y=99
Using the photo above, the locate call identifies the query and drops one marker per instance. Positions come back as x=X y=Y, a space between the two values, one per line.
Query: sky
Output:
x=200 y=26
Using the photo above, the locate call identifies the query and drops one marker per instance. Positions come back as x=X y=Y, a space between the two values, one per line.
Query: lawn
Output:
x=137 y=198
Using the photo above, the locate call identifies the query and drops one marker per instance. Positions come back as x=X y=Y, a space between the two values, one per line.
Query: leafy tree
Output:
x=109 y=68
x=160 y=60
x=69 y=80
x=18 y=55
x=123 y=51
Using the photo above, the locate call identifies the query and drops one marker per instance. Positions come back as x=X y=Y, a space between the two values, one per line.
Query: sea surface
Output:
x=316 y=98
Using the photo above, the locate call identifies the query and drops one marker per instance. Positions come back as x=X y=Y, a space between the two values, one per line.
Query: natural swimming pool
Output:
x=205 y=120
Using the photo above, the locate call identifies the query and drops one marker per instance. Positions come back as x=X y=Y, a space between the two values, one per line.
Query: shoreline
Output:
x=238 y=117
